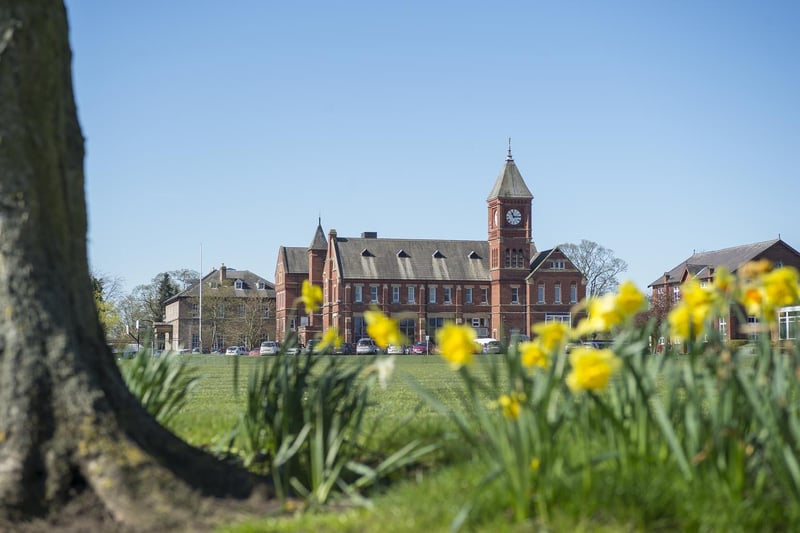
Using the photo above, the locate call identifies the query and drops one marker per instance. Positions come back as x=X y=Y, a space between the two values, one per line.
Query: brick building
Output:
x=666 y=290
x=499 y=286
x=236 y=307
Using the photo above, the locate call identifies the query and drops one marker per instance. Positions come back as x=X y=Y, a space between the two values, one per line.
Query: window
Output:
x=359 y=297
x=292 y=324
x=788 y=320
x=752 y=327
x=395 y=295
x=723 y=327
x=433 y=325
x=195 y=310
x=407 y=328
x=266 y=310
x=508 y=258
x=573 y=293
x=557 y=265
x=373 y=294
x=240 y=309
x=238 y=284
x=564 y=318
x=411 y=295
x=676 y=293
x=514 y=295
x=448 y=295
x=432 y=295
x=261 y=285
x=484 y=295
x=359 y=327
x=195 y=340
x=221 y=310
x=779 y=264
x=557 y=295
x=468 y=295
x=540 y=294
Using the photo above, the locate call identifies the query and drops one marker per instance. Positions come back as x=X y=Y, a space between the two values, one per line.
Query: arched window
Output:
x=508 y=257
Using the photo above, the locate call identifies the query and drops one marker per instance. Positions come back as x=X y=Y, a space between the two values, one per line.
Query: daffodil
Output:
x=311 y=296
x=383 y=330
x=510 y=404
x=551 y=335
x=456 y=344
x=330 y=339
x=532 y=354
x=629 y=300
x=591 y=368
x=781 y=287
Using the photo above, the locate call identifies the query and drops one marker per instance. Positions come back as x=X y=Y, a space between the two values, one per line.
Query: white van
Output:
x=489 y=345
x=269 y=348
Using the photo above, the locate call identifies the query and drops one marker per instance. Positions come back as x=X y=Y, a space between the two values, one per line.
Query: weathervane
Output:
x=509 y=158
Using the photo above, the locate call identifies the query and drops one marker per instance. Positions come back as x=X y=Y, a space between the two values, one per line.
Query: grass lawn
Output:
x=646 y=495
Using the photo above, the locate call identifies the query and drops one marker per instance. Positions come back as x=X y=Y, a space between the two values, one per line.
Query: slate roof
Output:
x=319 y=242
x=732 y=258
x=509 y=183
x=295 y=258
x=412 y=259
x=539 y=258
x=227 y=289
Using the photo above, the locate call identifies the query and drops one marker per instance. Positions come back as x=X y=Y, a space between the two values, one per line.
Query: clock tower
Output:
x=510 y=238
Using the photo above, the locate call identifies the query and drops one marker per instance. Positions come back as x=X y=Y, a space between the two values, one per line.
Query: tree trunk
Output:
x=68 y=425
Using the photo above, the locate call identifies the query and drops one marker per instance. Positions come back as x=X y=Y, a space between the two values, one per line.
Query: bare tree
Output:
x=69 y=428
x=599 y=265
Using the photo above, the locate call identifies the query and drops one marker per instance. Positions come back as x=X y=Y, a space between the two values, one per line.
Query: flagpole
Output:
x=201 y=298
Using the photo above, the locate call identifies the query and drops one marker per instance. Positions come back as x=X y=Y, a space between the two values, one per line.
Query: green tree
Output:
x=69 y=427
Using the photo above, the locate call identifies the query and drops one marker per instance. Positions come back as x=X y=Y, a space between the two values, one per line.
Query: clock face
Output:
x=514 y=217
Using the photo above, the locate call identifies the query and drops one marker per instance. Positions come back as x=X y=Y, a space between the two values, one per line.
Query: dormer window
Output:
x=402 y=253
x=366 y=253
x=238 y=284
x=473 y=255
x=438 y=255
x=261 y=285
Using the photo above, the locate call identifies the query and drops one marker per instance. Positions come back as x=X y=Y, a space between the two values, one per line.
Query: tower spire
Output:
x=508 y=157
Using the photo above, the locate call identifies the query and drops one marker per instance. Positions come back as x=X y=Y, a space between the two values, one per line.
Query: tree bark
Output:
x=68 y=425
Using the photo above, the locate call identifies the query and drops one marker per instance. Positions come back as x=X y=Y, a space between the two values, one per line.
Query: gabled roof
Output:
x=422 y=259
x=509 y=183
x=295 y=258
x=539 y=258
x=699 y=264
x=211 y=283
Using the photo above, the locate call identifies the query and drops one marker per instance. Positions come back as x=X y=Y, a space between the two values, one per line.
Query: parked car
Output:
x=366 y=346
x=236 y=350
x=489 y=345
x=420 y=348
x=269 y=348
x=254 y=351
x=294 y=350
x=345 y=348
x=196 y=350
x=184 y=350
x=395 y=349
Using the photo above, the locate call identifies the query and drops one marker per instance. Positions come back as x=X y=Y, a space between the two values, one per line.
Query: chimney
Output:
x=369 y=235
x=223 y=272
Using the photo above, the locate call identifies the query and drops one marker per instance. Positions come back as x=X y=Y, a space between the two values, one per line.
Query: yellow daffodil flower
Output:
x=532 y=354
x=456 y=344
x=383 y=330
x=551 y=335
x=330 y=339
x=629 y=300
x=781 y=287
x=591 y=369
x=311 y=296
x=510 y=404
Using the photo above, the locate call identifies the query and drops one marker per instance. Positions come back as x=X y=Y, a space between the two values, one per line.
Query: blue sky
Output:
x=652 y=128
